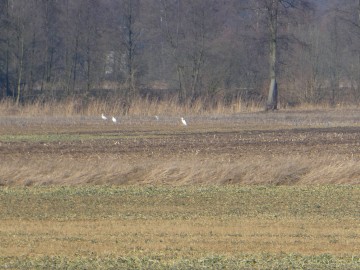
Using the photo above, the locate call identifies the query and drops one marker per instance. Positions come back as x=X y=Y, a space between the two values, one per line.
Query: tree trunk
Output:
x=130 y=52
x=358 y=25
x=21 y=55
x=7 y=91
x=273 y=95
x=273 y=90
x=182 y=88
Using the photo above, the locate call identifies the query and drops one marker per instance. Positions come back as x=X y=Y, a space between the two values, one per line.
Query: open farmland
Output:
x=252 y=148
x=254 y=190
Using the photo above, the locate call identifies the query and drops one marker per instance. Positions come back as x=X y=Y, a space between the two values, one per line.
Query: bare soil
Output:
x=235 y=143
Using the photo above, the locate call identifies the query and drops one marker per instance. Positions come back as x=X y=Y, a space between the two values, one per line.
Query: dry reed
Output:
x=139 y=107
x=146 y=107
x=177 y=171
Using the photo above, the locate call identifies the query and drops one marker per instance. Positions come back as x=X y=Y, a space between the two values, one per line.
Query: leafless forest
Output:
x=268 y=51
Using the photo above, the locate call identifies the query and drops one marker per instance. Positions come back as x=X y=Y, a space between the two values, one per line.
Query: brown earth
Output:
x=233 y=143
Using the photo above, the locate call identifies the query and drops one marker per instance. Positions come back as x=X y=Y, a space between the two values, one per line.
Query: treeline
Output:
x=191 y=49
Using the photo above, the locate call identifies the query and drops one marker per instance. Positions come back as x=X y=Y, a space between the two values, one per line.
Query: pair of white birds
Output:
x=183 y=121
x=105 y=118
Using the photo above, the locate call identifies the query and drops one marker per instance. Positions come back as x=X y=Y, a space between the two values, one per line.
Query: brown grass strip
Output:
x=193 y=238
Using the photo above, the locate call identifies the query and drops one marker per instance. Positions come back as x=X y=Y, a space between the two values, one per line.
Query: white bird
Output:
x=157 y=118
x=113 y=119
x=183 y=121
x=103 y=117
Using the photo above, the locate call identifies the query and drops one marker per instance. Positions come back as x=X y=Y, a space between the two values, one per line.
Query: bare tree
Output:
x=345 y=34
x=189 y=28
x=5 y=42
x=19 y=23
x=92 y=27
x=276 y=12
x=131 y=6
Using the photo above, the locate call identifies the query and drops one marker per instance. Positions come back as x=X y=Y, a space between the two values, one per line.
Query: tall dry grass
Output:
x=115 y=106
x=146 y=107
x=178 y=171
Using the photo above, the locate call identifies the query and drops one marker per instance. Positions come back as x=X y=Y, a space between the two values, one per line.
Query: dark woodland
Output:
x=270 y=51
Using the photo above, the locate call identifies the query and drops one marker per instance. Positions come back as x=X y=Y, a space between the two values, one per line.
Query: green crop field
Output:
x=198 y=227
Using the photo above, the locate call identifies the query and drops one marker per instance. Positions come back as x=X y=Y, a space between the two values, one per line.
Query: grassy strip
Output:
x=89 y=202
x=263 y=261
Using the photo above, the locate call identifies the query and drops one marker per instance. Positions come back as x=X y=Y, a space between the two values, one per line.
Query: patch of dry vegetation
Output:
x=292 y=170
x=148 y=107
x=114 y=106
x=180 y=238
